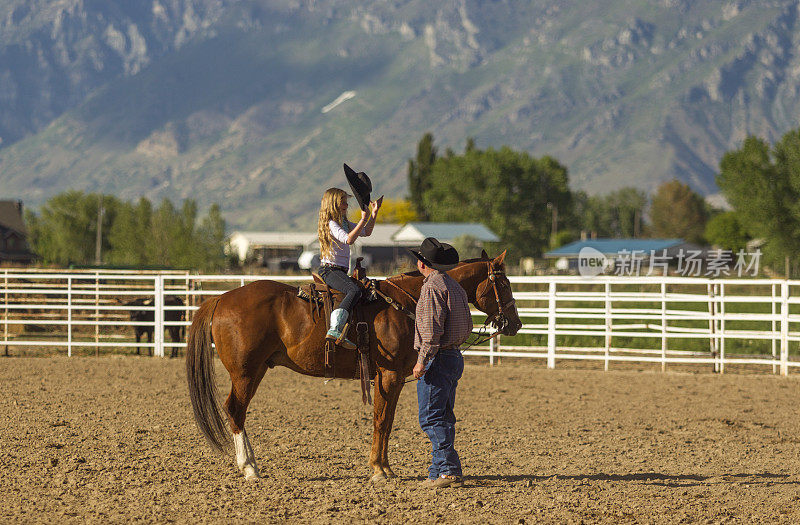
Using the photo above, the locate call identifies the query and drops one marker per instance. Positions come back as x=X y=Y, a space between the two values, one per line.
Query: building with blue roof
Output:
x=617 y=251
x=611 y=247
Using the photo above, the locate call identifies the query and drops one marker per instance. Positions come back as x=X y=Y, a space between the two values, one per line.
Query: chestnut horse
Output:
x=264 y=324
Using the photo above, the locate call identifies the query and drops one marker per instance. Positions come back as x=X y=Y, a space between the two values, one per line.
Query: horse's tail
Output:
x=200 y=375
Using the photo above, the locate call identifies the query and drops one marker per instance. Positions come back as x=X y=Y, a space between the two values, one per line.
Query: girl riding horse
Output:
x=336 y=234
x=264 y=324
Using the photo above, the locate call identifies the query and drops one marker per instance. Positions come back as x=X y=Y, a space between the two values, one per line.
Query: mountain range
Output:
x=255 y=104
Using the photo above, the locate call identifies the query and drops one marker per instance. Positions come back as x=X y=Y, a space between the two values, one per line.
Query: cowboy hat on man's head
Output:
x=360 y=184
x=437 y=255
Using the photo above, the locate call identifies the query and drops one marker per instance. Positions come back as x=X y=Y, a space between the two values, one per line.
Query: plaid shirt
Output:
x=443 y=317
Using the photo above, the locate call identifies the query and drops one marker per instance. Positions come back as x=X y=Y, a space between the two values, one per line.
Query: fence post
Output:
x=186 y=304
x=551 y=327
x=663 y=326
x=608 y=322
x=5 y=314
x=97 y=312
x=773 y=340
x=784 y=328
x=712 y=325
x=69 y=316
x=721 y=332
x=158 y=302
x=492 y=349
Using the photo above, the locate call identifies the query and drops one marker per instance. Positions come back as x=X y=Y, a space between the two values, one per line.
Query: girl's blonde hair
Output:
x=330 y=209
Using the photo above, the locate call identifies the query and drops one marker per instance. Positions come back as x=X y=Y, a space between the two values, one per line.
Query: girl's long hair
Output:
x=330 y=209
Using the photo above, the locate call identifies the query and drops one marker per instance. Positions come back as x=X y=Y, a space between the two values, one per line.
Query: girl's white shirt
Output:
x=340 y=251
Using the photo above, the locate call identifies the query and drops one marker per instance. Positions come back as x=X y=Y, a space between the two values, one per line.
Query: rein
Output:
x=402 y=290
x=394 y=304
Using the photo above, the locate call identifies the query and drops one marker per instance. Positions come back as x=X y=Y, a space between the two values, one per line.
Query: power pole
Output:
x=98 y=246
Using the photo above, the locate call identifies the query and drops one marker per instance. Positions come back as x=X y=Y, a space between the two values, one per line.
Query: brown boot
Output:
x=446 y=480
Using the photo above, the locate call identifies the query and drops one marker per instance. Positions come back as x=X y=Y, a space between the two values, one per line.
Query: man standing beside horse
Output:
x=443 y=323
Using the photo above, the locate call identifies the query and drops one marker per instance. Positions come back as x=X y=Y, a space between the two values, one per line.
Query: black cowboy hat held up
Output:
x=360 y=184
x=437 y=255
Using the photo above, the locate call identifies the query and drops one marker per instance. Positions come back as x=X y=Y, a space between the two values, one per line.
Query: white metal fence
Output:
x=666 y=320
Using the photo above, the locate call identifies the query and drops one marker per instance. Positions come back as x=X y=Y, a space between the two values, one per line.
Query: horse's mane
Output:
x=415 y=273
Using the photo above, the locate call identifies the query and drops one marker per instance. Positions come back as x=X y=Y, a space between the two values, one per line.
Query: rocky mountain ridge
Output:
x=225 y=100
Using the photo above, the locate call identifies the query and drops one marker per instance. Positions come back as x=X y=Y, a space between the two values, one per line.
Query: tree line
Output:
x=76 y=228
x=528 y=203
x=525 y=200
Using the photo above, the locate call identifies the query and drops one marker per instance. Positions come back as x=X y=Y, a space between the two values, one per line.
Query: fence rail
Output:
x=666 y=320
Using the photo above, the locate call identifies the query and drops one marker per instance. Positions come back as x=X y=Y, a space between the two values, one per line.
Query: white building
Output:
x=378 y=248
x=264 y=247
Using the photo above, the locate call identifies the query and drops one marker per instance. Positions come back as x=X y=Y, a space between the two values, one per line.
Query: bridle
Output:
x=499 y=319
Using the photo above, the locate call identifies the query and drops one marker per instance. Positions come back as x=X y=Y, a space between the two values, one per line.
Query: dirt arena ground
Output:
x=112 y=439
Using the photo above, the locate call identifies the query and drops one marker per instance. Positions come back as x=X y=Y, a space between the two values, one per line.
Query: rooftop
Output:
x=275 y=238
x=444 y=231
x=614 y=246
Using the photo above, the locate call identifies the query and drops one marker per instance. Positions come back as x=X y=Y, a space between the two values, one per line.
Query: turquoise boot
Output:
x=338 y=320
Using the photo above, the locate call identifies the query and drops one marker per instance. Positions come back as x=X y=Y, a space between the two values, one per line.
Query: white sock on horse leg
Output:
x=241 y=449
x=245 y=457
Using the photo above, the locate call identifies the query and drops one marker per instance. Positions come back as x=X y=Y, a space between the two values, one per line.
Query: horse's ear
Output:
x=484 y=255
x=499 y=259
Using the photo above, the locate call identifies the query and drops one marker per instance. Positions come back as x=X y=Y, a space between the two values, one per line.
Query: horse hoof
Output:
x=389 y=473
x=378 y=477
x=250 y=473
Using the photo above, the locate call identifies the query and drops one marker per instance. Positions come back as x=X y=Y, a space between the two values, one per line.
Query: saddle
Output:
x=322 y=301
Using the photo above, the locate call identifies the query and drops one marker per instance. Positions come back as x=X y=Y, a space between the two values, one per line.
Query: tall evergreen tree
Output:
x=419 y=173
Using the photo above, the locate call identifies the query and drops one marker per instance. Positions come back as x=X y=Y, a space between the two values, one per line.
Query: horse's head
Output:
x=493 y=295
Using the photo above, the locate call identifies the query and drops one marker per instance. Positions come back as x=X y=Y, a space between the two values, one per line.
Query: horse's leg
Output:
x=174 y=335
x=242 y=391
x=387 y=392
x=391 y=409
x=138 y=338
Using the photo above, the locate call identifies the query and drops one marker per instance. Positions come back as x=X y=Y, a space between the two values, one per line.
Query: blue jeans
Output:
x=338 y=280
x=436 y=394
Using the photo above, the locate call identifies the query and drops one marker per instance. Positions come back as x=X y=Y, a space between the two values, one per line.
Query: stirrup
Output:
x=340 y=339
